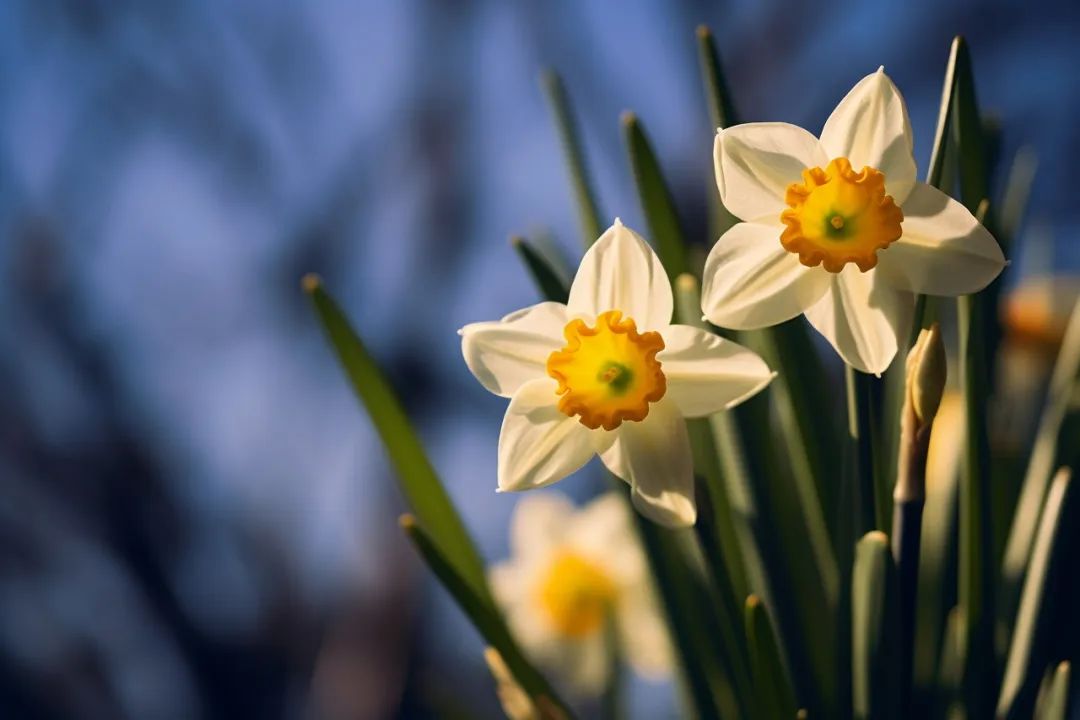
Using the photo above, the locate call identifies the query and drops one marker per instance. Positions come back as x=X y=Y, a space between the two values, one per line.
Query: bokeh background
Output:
x=196 y=518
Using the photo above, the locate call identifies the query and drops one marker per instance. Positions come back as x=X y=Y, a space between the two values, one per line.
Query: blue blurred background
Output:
x=196 y=519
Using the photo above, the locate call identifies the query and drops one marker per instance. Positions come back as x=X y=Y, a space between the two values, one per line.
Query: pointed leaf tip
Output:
x=310 y=282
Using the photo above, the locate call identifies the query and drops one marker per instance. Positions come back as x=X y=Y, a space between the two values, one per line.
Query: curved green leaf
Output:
x=416 y=477
x=772 y=686
x=483 y=616
x=549 y=281
x=1023 y=662
x=656 y=200
x=559 y=102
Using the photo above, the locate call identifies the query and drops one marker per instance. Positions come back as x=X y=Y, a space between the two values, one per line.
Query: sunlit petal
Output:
x=621 y=272
x=944 y=250
x=751 y=281
x=707 y=374
x=538 y=444
x=863 y=319
x=506 y=354
x=654 y=457
x=870 y=127
x=756 y=162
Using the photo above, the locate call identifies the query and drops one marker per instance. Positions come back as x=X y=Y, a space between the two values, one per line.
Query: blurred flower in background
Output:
x=577 y=591
x=197 y=519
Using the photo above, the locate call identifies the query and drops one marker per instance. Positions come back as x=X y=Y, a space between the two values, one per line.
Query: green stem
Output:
x=975 y=582
x=907 y=532
x=862 y=453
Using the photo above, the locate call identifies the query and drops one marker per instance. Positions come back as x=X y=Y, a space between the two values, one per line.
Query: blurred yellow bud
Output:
x=514 y=700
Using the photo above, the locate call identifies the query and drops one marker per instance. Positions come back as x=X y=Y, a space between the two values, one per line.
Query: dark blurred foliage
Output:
x=195 y=517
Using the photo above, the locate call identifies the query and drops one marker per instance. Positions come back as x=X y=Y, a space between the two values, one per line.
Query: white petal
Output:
x=756 y=162
x=506 y=354
x=654 y=457
x=538 y=444
x=588 y=664
x=539 y=523
x=621 y=272
x=751 y=281
x=603 y=530
x=944 y=250
x=862 y=318
x=870 y=126
x=510 y=582
x=706 y=374
x=643 y=635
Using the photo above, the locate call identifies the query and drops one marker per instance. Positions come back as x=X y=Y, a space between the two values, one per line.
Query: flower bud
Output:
x=926 y=370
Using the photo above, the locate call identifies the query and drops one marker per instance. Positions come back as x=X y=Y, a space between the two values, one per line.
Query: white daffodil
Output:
x=839 y=229
x=609 y=374
x=575 y=577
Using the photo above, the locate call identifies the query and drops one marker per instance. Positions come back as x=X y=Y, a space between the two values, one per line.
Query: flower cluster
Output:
x=836 y=228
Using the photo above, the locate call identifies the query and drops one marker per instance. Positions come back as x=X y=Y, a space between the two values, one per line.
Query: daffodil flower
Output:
x=609 y=374
x=577 y=580
x=839 y=229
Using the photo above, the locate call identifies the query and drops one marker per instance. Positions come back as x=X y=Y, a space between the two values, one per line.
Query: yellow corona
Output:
x=608 y=372
x=836 y=216
x=576 y=594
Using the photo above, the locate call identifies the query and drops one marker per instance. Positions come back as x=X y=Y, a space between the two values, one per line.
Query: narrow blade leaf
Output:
x=549 y=281
x=1024 y=661
x=484 y=617
x=656 y=200
x=573 y=151
x=416 y=477
x=772 y=686
x=874 y=629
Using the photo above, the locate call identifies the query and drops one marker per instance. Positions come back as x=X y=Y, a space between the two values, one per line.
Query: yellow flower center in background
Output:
x=837 y=216
x=576 y=594
x=608 y=373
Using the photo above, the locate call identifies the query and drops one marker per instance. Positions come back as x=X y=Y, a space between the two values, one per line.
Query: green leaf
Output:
x=772 y=686
x=707 y=463
x=1053 y=703
x=951 y=665
x=715 y=527
x=1065 y=375
x=938 y=175
x=976 y=582
x=549 y=281
x=967 y=131
x=936 y=587
x=721 y=110
x=1014 y=199
x=1025 y=659
x=656 y=200
x=689 y=618
x=559 y=102
x=483 y=616
x=770 y=521
x=416 y=477
x=721 y=115
x=874 y=629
